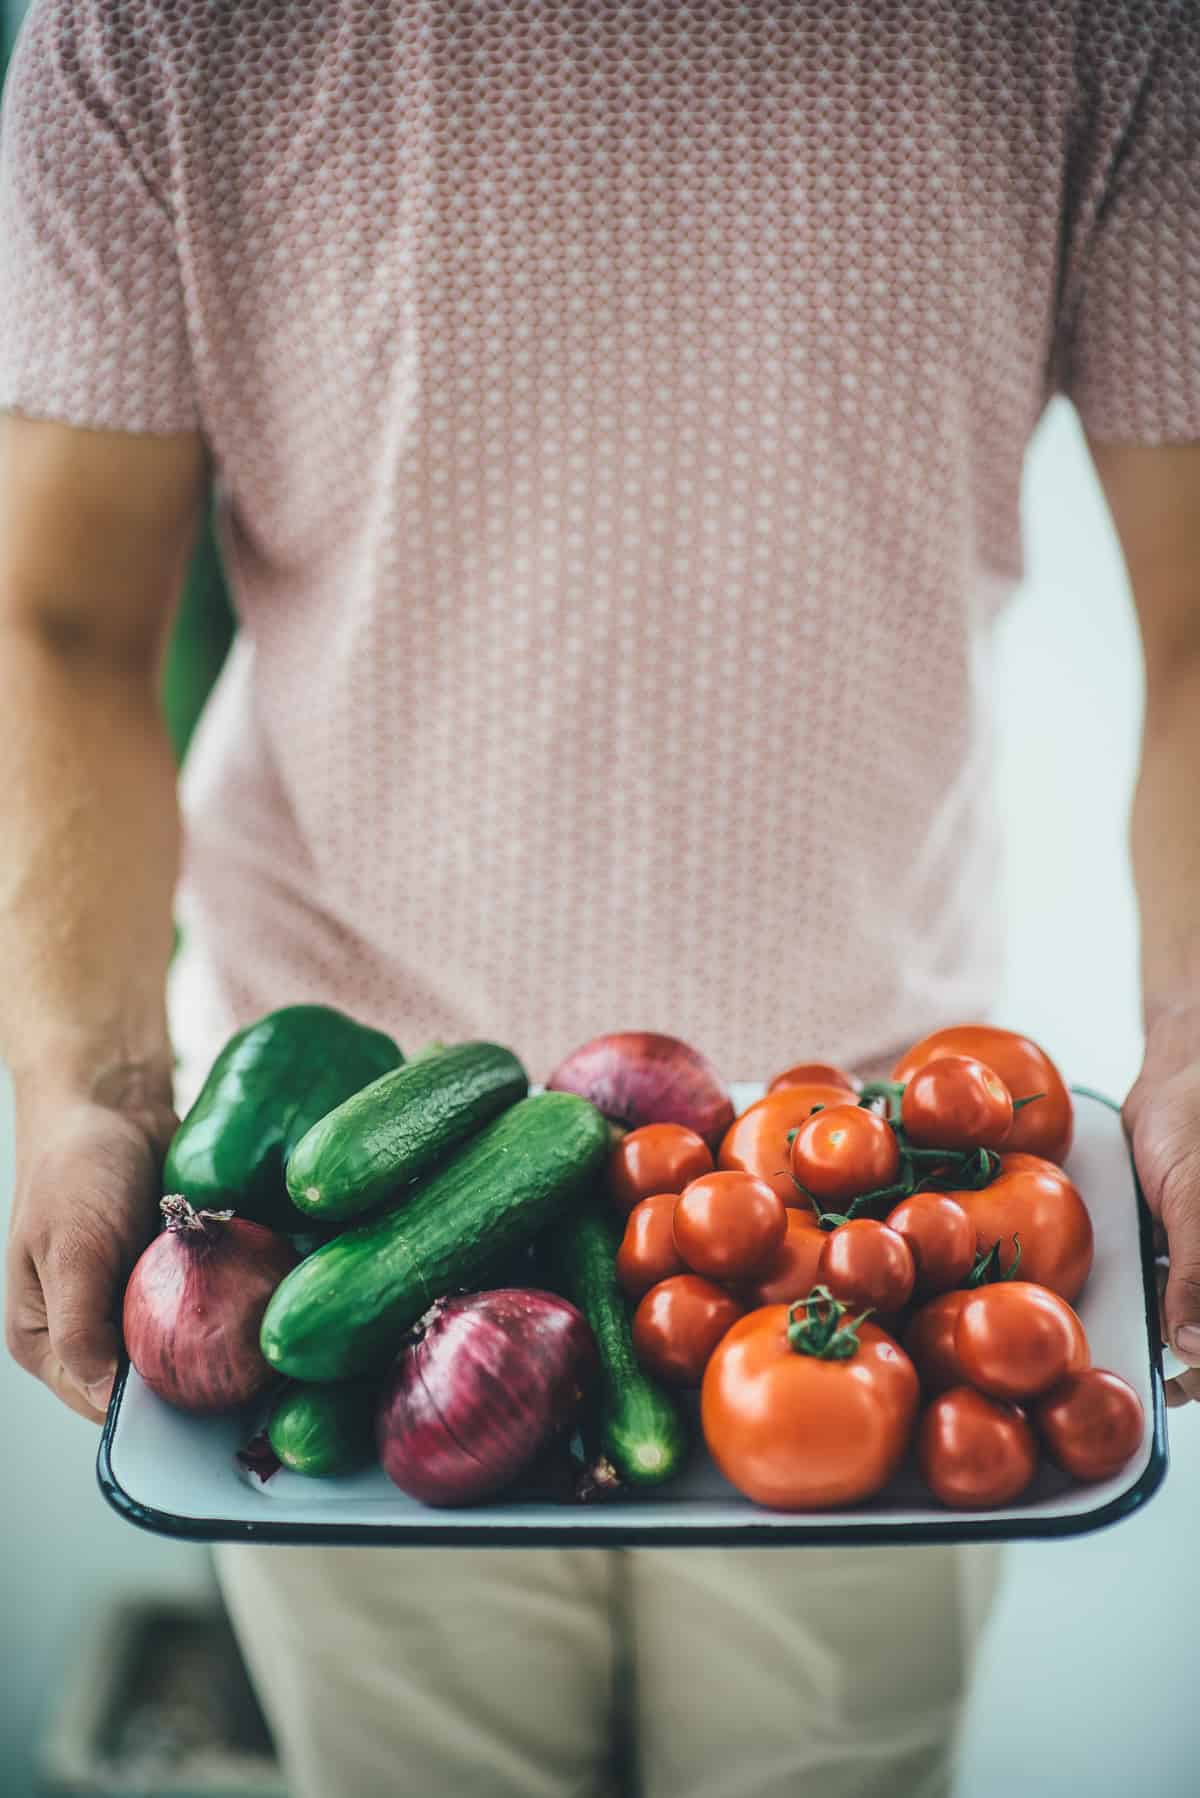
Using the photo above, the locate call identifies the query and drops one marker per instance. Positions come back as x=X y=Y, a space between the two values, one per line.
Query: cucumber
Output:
x=391 y=1132
x=267 y=1087
x=641 y=1428
x=345 y=1310
x=324 y=1430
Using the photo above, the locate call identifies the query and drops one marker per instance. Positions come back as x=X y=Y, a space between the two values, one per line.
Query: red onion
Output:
x=194 y=1304
x=639 y=1077
x=477 y=1394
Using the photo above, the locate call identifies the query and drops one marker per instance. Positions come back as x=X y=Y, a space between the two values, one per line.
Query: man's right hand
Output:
x=84 y=1206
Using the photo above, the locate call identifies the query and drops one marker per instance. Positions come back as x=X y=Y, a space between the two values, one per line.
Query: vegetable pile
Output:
x=417 y=1263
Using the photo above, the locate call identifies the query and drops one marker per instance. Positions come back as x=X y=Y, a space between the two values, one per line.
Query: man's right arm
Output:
x=95 y=529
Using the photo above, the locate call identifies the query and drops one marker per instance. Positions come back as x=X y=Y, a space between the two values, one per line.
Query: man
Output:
x=618 y=413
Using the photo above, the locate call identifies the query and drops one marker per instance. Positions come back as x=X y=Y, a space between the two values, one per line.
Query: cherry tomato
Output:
x=866 y=1263
x=956 y=1102
x=757 y=1142
x=1015 y=1339
x=800 y=1433
x=647 y=1253
x=792 y=1271
x=1043 y=1128
x=728 y=1225
x=844 y=1151
x=975 y=1452
x=678 y=1324
x=929 y=1340
x=1092 y=1422
x=1033 y=1199
x=806 y=1072
x=655 y=1158
x=941 y=1236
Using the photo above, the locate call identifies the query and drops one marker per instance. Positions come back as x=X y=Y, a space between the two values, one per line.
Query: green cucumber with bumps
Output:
x=322 y=1431
x=386 y=1136
x=347 y=1308
x=641 y=1429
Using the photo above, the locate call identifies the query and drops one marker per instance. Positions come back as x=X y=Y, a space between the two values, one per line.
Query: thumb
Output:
x=79 y=1295
x=1181 y=1300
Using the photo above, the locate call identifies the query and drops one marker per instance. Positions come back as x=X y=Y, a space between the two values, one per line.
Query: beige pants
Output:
x=593 y=1673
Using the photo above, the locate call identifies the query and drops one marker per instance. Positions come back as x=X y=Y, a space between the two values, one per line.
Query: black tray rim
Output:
x=750 y=1534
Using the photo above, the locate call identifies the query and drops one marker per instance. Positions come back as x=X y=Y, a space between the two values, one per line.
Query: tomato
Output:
x=678 y=1324
x=941 y=1237
x=929 y=1340
x=647 y=1253
x=1043 y=1128
x=1015 y=1339
x=792 y=1271
x=655 y=1158
x=728 y=1225
x=866 y=1263
x=1034 y=1200
x=806 y=1072
x=758 y=1141
x=798 y=1432
x=975 y=1452
x=1092 y=1422
x=844 y=1151
x=956 y=1102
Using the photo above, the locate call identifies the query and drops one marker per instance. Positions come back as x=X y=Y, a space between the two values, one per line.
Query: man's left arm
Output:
x=1153 y=494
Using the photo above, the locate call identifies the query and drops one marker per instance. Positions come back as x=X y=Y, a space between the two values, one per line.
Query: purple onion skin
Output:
x=194 y=1304
x=488 y=1380
x=639 y=1077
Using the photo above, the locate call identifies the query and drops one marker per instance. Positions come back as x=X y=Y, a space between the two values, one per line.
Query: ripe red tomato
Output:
x=728 y=1225
x=975 y=1452
x=844 y=1151
x=647 y=1253
x=1034 y=1199
x=866 y=1263
x=804 y=1073
x=655 y=1158
x=792 y=1271
x=678 y=1324
x=941 y=1237
x=1092 y=1423
x=1044 y=1128
x=956 y=1102
x=799 y=1433
x=758 y=1142
x=929 y=1340
x=1015 y=1339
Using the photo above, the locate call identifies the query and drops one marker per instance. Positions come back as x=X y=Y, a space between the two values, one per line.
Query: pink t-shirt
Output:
x=619 y=413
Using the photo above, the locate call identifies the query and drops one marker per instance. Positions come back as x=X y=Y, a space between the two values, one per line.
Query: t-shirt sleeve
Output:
x=1130 y=330
x=93 y=320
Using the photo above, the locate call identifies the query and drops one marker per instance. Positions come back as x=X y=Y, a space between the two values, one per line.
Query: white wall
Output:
x=1087 y=1677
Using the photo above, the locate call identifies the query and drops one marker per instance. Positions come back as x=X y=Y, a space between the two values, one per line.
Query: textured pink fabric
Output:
x=619 y=412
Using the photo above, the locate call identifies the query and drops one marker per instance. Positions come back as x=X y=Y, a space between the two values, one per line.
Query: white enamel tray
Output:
x=176 y=1474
